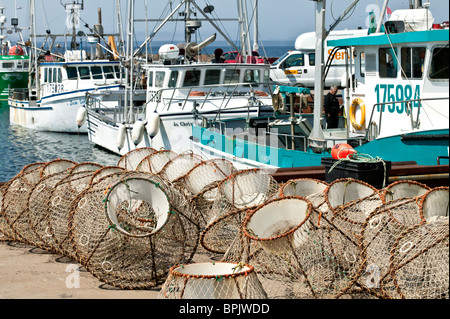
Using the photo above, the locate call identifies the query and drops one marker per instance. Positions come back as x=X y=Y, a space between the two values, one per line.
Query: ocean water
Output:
x=20 y=146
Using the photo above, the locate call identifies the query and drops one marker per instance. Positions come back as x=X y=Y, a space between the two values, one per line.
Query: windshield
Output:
x=280 y=59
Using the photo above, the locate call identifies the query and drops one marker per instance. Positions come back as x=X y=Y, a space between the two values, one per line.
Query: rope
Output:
x=361 y=158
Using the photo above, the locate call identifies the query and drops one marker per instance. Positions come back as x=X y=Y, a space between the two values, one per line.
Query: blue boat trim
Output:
x=422 y=151
x=395 y=38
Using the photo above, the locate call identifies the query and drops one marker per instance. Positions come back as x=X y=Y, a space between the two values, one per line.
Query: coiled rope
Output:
x=362 y=158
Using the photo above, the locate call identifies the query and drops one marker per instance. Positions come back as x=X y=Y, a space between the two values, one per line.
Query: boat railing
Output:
x=409 y=112
x=207 y=90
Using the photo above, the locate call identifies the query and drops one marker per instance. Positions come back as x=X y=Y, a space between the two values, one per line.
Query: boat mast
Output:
x=129 y=69
x=317 y=138
x=255 y=26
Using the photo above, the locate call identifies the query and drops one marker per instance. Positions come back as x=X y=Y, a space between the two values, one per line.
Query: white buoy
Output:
x=121 y=133
x=81 y=116
x=152 y=126
x=137 y=134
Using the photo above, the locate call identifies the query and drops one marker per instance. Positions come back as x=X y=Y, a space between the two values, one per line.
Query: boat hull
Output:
x=12 y=80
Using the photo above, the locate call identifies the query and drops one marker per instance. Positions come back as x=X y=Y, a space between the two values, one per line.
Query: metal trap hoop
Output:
x=435 y=203
x=179 y=166
x=131 y=160
x=85 y=167
x=346 y=190
x=155 y=162
x=212 y=281
x=57 y=166
x=303 y=187
x=404 y=189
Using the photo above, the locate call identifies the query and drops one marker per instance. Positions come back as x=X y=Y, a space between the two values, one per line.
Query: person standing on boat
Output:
x=332 y=108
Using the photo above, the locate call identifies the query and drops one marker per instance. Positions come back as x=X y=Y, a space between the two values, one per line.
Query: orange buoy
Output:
x=340 y=151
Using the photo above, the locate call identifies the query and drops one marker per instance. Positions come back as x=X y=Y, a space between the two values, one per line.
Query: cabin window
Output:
x=59 y=76
x=387 y=62
x=85 y=74
x=55 y=74
x=439 y=64
x=362 y=64
x=50 y=75
x=150 y=79
x=109 y=72
x=173 y=79
x=116 y=68
x=159 y=79
x=8 y=65
x=232 y=76
x=191 y=78
x=26 y=65
x=413 y=60
x=295 y=60
x=72 y=73
x=312 y=59
x=251 y=76
x=212 y=77
x=97 y=73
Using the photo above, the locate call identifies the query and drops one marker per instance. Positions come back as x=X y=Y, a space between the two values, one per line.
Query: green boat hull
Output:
x=12 y=80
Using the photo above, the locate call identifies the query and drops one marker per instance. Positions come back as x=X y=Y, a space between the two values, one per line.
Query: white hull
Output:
x=54 y=113
x=174 y=133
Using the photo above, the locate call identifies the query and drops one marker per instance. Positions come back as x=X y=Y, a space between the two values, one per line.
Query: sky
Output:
x=279 y=20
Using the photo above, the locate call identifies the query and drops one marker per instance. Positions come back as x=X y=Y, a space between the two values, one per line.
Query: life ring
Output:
x=357 y=102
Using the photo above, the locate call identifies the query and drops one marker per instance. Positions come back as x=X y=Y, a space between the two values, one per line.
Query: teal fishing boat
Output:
x=396 y=106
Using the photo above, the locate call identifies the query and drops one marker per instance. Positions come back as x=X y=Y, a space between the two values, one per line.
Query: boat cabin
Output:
x=393 y=71
x=59 y=77
x=181 y=81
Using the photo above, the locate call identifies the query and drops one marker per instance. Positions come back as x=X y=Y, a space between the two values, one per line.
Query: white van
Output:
x=297 y=68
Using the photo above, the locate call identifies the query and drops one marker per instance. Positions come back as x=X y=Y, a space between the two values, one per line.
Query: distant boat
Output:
x=14 y=60
x=60 y=84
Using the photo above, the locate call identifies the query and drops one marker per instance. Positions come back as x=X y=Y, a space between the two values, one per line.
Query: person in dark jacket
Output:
x=332 y=108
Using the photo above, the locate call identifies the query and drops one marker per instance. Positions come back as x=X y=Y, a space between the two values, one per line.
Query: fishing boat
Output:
x=181 y=90
x=59 y=83
x=14 y=60
x=396 y=105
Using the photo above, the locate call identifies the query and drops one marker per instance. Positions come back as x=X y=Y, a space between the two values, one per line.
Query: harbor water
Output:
x=20 y=146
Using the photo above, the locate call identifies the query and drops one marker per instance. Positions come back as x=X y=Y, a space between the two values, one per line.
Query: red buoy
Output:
x=340 y=151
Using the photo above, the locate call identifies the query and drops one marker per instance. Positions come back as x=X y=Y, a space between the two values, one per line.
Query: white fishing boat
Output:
x=180 y=91
x=397 y=105
x=59 y=83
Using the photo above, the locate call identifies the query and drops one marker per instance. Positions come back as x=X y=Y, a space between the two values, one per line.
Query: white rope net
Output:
x=155 y=162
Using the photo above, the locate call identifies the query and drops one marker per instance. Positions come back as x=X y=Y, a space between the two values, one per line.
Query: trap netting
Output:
x=223 y=233
x=16 y=196
x=378 y=233
x=200 y=184
x=303 y=187
x=129 y=233
x=404 y=189
x=419 y=265
x=435 y=203
x=243 y=190
x=106 y=171
x=155 y=162
x=40 y=200
x=212 y=281
x=132 y=159
x=61 y=198
x=85 y=167
x=179 y=166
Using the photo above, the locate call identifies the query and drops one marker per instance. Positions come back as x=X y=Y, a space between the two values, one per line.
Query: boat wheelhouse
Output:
x=178 y=95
